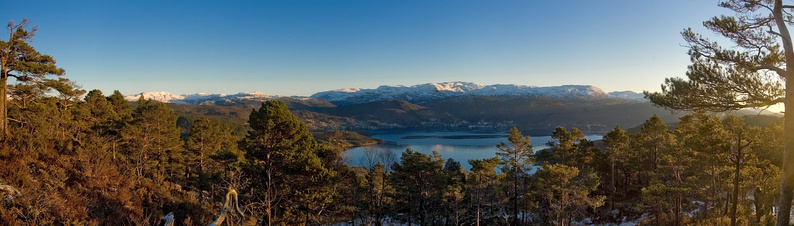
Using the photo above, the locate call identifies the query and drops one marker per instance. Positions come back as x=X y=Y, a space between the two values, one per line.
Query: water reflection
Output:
x=460 y=146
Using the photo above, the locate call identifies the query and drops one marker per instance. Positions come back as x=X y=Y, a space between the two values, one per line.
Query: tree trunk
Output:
x=677 y=209
x=735 y=197
x=787 y=174
x=379 y=214
x=3 y=104
x=478 y=214
x=515 y=194
x=757 y=200
x=269 y=199
x=612 y=186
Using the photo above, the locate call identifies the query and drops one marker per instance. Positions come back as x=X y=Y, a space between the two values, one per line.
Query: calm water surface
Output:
x=460 y=146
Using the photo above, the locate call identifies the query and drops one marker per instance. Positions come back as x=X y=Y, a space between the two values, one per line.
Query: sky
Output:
x=297 y=48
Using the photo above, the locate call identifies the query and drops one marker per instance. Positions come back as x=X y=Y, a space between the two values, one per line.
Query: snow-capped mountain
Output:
x=421 y=93
x=199 y=98
x=436 y=91
x=631 y=95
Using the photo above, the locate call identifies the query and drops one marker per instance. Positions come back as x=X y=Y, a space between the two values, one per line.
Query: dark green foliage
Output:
x=152 y=141
x=564 y=193
x=615 y=155
x=418 y=180
x=289 y=175
x=22 y=62
x=516 y=162
x=750 y=72
x=483 y=190
x=206 y=140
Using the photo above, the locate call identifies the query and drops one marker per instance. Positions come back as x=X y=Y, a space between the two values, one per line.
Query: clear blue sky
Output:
x=302 y=47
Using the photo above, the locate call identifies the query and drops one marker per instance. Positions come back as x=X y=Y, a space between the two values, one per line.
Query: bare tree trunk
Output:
x=478 y=214
x=515 y=193
x=787 y=174
x=612 y=186
x=736 y=170
x=269 y=199
x=677 y=209
x=757 y=200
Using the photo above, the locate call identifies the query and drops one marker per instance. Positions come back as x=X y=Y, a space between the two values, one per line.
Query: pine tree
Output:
x=19 y=60
x=516 y=160
x=417 y=179
x=565 y=193
x=453 y=191
x=712 y=151
x=483 y=187
x=378 y=163
x=101 y=114
x=293 y=178
x=740 y=138
x=205 y=139
x=616 y=143
x=120 y=105
x=152 y=141
x=751 y=72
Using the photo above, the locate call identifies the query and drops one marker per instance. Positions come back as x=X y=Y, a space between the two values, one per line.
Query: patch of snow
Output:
x=627 y=95
x=436 y=91
x=198 y=98
x=160 y=96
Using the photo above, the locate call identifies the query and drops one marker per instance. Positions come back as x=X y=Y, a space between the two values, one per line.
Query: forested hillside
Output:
x=75 y=157
x=98 y=160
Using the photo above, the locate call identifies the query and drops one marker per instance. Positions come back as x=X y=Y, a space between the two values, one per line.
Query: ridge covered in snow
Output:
x=415 y=94
x=435 y=91
x=198 y=98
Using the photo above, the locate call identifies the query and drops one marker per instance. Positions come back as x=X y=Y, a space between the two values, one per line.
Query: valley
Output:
x=452 y=106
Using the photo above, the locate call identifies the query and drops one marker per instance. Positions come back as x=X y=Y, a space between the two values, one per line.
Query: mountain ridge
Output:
x=441 y=106
x=420 y=93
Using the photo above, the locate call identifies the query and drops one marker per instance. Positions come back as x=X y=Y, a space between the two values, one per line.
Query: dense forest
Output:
x=102 y=160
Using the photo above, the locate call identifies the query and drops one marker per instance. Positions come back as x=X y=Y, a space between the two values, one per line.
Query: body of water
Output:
x=460 y=146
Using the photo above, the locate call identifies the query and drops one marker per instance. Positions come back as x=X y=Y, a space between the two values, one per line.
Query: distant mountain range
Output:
x=421 y=93
x=441 y=106
x=198 y=98
x=436 y=91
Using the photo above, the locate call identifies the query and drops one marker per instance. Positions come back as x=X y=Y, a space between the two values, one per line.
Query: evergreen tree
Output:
x=152 y=141
x=378 y=163
x=19 y=60
x=565 y=193
x=101 y=111
x=205 y=139
x=565 y=149
x=516 y=160
x=417 y=179
x=616 y=142
x=120 y=105
x=453 y=191
x=652 y=138
x=483 y=188
x=712 y=151
x=740 y=138
x=750 y=73
x=290 y=174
